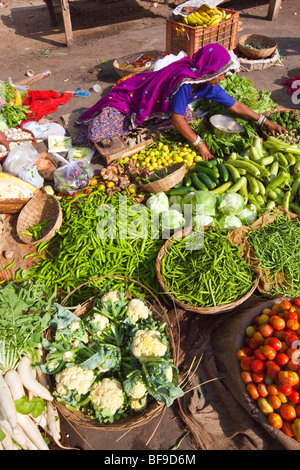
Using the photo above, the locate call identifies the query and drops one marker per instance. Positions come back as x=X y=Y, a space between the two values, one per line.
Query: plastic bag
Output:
x=168 y=59
x=20 y=158
x=73 y=176
x=32 y=176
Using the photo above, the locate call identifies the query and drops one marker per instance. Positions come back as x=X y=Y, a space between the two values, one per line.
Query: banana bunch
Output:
x=206 y=17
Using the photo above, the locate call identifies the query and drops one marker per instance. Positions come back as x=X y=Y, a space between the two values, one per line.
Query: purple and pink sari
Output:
x=148 y=95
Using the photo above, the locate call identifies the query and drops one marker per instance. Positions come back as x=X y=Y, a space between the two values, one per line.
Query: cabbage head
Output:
x=186 y=204
x=229 y=222
x=158 y=203
x=248 y=215
x=171 y=219
x=202 y=220
x=204 y=203
x=230 y=203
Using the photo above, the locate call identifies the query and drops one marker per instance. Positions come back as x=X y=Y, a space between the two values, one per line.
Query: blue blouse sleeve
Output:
x=218 y=94
x=181 y=99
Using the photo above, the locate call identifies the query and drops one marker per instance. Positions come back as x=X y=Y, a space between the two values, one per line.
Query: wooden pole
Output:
x=67 y=22
x=274 y=7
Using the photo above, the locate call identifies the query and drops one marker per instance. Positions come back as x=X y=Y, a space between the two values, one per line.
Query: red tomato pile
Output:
x=270 y=364
x=141 y=62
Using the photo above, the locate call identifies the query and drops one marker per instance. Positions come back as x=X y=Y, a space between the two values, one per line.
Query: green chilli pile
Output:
x=277 y=246
x=212 y=274
x=99 y=235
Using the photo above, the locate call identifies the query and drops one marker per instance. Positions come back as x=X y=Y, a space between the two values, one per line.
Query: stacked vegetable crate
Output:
x=183 y=37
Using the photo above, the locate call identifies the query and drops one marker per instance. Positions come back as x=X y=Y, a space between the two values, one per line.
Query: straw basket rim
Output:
x=201 y=310
x=167 y=182
x=155 y=53
x=34 y=207
x=257 y=53
x=154 y=408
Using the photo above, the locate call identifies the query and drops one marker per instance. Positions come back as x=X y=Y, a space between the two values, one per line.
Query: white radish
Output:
x=18 y=435
x=8 y=444
x=14 y=382
x=7 y=406
x=30 y=383
x=32 y=431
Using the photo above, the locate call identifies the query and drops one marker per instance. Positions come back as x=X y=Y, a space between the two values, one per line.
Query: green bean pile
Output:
x=76 y=254
x=213 y=275
x=277 y=246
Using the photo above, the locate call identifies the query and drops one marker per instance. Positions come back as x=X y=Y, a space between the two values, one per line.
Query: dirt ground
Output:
x=110 y=29
x=104 y=31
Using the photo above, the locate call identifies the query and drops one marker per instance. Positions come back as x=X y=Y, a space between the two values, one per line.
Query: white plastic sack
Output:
x=260 y=64
x=20 y=158
x=168 y=59
x=32 y=176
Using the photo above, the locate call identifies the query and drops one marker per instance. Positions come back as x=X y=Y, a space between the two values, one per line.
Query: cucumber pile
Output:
x=267 y=175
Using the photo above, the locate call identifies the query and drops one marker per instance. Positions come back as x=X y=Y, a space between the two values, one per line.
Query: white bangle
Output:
x=261 y=120
x=197 y=141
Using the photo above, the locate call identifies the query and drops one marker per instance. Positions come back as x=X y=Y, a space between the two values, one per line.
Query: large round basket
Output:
x=41 y=208
x=129 y=58
x=175 y=174
x=201 y=310
x=257 y=53
x=153 y=408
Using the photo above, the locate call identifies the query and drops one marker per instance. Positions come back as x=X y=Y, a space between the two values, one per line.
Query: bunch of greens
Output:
x=14 y=115
x=107 y=352
x=7 y=92
x=25 y=312
x=277 y=246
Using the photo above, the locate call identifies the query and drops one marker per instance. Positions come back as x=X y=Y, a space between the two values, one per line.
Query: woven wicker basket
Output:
x=153 y=408
x=176 y=173
x=201 y=310
x=125 y=72
x=256 y=53
x=40 y=208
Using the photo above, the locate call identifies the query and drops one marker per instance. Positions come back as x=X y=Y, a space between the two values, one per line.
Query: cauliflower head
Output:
x=98 y=323
x=138 y=390
x=107 y=393
x=147 y=344
x=137 y=405
x=74 y=378
x=137 y=310
x=112 y=296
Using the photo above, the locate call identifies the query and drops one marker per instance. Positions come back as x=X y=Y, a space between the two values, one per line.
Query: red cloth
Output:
x=42 y=103
x=292 y=88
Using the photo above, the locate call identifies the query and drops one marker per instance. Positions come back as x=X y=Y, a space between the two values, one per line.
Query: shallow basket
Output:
x=177 y=172
x=41 y=207
x=201 y=310
x=256 y=53
x=154 y=408
x=125 y=72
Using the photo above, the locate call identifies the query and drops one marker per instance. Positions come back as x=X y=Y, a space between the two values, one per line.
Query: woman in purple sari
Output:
x=165 y=94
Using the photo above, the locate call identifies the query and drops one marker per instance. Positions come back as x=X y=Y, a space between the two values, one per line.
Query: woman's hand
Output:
x=273 y=128
x=4 y=141
x=204 y=152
